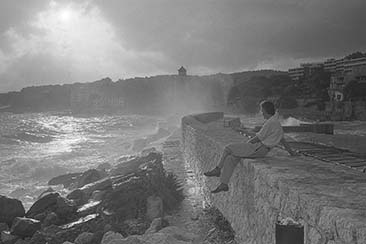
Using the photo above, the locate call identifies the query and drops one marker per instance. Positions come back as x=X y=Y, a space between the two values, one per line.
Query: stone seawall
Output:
x=329 y=199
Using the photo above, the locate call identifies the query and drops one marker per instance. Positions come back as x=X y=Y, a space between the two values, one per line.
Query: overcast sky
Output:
x=63 y=41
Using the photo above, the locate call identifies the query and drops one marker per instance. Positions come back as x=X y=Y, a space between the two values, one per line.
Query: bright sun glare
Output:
x=65 y=15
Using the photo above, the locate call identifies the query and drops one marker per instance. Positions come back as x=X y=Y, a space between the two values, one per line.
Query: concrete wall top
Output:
x=329 y=198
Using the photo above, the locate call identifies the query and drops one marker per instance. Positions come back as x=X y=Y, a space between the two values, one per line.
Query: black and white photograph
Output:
x=182 y=122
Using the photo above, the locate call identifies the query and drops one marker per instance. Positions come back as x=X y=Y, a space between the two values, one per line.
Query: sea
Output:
x=35 y=147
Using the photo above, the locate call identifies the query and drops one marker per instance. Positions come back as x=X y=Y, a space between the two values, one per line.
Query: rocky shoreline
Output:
x=145 y=198
x=125 y=200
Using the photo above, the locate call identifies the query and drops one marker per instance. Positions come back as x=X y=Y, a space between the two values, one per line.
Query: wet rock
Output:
x=66 y=180
x=133 y=165
x=8 y=238
x=111 y=237
x=64 y=208
x=154 y=207
x=38 y=238
x=40 y=216
x=101 y=185
x=50 y=189
x=20 y=241
x=52 y=202
x=43 y=204
x=88 y=177
x=84 y=238
x=25 y=227
x=4 y=226
x=88 y=208
x=9 y=209
x=77 y=196
x=134 y=227
x=51 y=219
x=147 y=151
x=71 y=231
x=104 y=166
x=97 y=195
x=134 y=239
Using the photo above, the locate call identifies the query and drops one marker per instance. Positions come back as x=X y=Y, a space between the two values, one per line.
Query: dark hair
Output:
x=268 y=107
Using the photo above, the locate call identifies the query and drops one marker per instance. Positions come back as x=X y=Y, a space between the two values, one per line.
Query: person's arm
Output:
x=288 y=148
x=254 y=139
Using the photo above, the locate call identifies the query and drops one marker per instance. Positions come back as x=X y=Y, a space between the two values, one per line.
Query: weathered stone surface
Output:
x=130 y=166
x=88 y=177
x=65 y=180
x=25 y=227
x=78 y=196
x=4 y=226
x=21 y=241
x=329 y=199
x=43 y=204
x=38 y=238
x=111 y=237
x=9 y=209
x=51 y=219
x=101 y=185
x=134 y=239
x=84 y=238
x=8 y=238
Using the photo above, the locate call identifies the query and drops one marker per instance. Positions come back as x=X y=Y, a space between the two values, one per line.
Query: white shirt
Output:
x=271 y=133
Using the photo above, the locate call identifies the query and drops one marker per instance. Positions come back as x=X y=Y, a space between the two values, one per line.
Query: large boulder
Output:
x=66 y=180
x=52 y=202
x=9 y=209
x=133 y=165
x=116 y=238
x=47 y=202
x=51 y=219
x=100 y=185
x=25 y=227
x=4 y=227
x=84 y=238
x=64 y=208
x=111 y=237
x=88 y=177
x=8 y=238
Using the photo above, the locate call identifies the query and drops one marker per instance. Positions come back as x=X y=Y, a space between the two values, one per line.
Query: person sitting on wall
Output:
x=268 y=137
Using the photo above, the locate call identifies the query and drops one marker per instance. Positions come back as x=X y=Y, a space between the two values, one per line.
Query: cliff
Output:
x=327 y=199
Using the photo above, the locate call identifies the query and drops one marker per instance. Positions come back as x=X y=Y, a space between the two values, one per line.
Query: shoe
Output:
x=220 y=188
x=215 y=172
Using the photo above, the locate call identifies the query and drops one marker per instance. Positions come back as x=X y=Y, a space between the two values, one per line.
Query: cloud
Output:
x=70 y=42
x=90 y=39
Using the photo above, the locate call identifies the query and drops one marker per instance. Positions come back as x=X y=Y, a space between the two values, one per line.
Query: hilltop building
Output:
x=182 y=71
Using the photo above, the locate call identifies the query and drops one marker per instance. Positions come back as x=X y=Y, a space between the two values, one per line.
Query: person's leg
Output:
x=217 y=170
x=237 y=152
x=226 y=153
x=227 y=171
